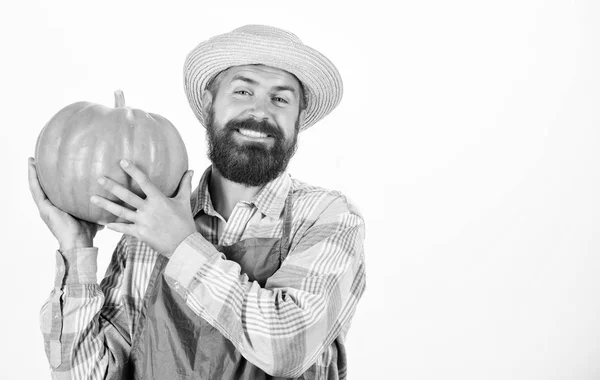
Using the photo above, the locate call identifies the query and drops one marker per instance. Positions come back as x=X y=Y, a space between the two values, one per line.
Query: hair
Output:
x=213 y=86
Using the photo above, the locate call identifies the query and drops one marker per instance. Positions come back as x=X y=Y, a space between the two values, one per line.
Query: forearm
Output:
x=283 y=327
x=77 y=339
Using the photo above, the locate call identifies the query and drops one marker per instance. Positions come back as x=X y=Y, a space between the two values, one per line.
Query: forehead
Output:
x=263 y=75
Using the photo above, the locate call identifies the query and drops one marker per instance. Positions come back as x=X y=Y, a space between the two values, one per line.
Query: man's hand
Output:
x=161 y=222
x=68 y=230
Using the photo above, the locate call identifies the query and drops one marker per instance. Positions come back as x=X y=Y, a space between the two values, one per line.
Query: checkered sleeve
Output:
x=285 y=327
x=82 y=322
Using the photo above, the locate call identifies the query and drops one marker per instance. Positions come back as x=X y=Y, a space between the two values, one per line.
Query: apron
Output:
x=172 y=342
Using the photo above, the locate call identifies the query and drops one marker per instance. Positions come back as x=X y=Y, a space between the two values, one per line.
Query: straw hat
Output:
x=270 y=46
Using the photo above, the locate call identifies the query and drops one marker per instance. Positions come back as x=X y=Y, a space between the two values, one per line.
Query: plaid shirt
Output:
x=296 y=325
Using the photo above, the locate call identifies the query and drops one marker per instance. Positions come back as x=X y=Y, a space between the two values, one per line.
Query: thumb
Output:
x=185 y=186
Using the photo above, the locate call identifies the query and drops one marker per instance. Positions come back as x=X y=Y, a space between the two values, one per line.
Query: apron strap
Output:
x=287 y=227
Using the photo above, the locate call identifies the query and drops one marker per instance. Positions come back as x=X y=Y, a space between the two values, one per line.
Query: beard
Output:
x=249 y=163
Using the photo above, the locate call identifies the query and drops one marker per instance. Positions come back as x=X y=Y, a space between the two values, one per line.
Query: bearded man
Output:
x=259 y=278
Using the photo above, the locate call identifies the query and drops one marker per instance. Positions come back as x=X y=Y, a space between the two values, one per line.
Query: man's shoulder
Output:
x=316 y=200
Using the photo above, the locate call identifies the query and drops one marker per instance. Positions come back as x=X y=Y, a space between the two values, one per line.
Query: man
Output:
x=260 y=277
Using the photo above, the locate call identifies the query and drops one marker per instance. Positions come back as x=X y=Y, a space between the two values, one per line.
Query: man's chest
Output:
x=245 y=222
x=232 y=237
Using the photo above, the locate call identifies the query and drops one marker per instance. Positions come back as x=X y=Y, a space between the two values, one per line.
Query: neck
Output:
x=225 y=194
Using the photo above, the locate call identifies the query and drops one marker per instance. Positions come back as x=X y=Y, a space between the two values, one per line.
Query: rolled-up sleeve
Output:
x=79 y=317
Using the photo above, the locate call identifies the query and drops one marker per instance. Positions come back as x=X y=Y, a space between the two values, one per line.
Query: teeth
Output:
x=249 y=133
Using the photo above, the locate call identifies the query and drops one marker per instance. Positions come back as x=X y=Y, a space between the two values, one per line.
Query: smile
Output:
x=253 y=134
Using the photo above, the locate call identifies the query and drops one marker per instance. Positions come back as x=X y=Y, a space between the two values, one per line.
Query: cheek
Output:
x=287 y=122
x=225 y=112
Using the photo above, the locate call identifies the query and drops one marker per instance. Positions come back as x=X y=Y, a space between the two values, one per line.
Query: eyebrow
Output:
x=284 y=88
x=253 y=82
x=244 y=79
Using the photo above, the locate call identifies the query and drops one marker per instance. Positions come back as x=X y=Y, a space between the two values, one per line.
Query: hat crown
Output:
x=265 y=31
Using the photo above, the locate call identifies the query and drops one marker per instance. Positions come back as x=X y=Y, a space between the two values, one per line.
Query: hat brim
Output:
x=320 y=78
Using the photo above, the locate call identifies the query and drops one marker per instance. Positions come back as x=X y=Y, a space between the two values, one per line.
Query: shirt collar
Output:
x=201 y=197
x=269 y=200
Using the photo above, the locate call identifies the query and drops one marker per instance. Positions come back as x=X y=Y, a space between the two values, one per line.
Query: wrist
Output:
x=76 y=243
x=170 y=252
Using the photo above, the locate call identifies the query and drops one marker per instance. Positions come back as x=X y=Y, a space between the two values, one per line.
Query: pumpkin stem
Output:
x=119 y=99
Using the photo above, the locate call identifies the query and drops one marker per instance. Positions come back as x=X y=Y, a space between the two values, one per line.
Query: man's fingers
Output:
x=124 y=228
x=185 y=186
x=141 y=178
x=121 y=192
x=39 y=197
x=113 y=208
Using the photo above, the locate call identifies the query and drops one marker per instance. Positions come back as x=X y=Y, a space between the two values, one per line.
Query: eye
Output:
x=280 y=100
x=242 y=92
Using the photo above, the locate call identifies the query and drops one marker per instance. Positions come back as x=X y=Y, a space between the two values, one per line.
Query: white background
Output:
x=468 y=136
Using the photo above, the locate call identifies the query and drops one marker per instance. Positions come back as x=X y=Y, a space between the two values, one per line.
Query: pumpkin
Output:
x=84 y=141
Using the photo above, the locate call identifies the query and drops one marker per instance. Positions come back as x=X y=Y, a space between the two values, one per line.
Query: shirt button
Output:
x=176 y=285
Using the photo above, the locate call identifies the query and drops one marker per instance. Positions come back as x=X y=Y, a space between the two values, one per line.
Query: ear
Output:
x=207 y=100
x=301 y=118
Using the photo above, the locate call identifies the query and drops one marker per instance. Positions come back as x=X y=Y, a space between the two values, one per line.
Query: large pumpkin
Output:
x=84 y=141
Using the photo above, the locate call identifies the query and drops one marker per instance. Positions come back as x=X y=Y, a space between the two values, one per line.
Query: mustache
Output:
x=262 y=126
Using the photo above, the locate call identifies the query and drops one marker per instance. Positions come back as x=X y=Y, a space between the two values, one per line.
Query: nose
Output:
x=259 y=109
